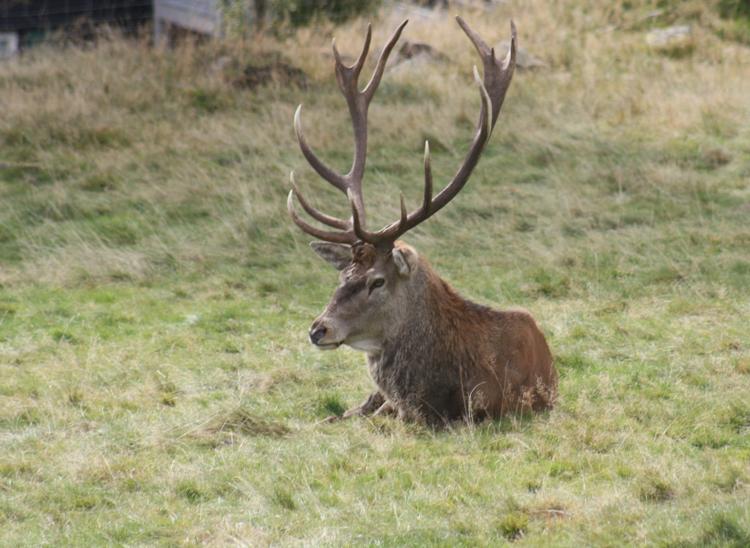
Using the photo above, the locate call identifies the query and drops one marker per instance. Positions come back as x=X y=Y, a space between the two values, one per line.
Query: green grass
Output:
x=156 y=384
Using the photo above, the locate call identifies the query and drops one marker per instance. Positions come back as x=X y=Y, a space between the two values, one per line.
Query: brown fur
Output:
x=434 y=355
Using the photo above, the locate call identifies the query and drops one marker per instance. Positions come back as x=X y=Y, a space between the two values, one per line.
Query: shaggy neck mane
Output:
x=433 y=309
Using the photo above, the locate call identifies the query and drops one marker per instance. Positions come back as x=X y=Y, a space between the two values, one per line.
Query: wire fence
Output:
x=26 y=17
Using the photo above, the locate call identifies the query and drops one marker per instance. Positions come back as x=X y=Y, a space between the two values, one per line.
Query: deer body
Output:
x=433 y=355
x=437 y=357
x=447 y=358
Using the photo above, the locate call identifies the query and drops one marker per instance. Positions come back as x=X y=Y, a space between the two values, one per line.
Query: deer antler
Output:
x=358 y=103
x=497 y=78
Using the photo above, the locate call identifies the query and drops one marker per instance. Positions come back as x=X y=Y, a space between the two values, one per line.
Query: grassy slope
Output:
x=156 y=384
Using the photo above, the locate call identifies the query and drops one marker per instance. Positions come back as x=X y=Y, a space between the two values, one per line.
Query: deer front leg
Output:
x=370 y=406
x=385 y=410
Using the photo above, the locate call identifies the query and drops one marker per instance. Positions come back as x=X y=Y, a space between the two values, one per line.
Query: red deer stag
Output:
x=434 y=356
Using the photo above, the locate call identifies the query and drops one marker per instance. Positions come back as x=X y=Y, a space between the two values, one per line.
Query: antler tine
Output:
x=482 y=48
x=374 y=82
x=327 y=235
x=427 y=180
x=347 y=76
x=486 y=113
x=357 y=66
x=365 y=50
x=359 y=230
x=323 y=170
x=404 y=213
x=497 y=77
x=314 y=213
x=366 y=236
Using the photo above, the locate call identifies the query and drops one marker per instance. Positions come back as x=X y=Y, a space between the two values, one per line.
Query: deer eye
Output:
x=377 y=282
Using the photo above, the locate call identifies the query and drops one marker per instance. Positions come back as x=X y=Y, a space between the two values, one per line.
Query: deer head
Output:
x=376 y=271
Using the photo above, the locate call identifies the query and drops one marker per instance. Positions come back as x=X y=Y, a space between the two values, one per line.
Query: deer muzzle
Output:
x=319 y=332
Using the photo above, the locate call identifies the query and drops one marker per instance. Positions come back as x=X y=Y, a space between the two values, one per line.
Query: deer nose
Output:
x=317 y=333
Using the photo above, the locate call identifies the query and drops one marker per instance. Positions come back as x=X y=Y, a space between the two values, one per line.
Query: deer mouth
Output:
x=328 y=346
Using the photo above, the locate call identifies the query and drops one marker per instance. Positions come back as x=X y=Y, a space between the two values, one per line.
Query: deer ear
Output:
x=338 y=255
x=405 y=260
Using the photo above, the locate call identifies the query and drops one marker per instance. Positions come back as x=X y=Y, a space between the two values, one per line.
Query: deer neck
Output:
x=428 y=313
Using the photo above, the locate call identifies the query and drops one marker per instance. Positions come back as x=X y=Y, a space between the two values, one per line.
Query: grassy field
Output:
x=156 y=382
